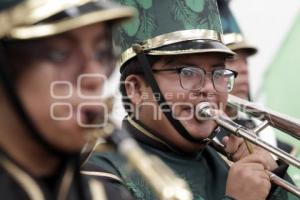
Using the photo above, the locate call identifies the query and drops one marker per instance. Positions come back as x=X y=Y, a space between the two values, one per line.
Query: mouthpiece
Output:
x=204 y=111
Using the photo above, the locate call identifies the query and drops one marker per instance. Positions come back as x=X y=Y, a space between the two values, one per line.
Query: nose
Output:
x=207 y=88
x=93 y=74
x=208 y=85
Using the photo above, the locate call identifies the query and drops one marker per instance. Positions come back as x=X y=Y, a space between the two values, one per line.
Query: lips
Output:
x=189 y=112
x=90 y=114
x=92 y=117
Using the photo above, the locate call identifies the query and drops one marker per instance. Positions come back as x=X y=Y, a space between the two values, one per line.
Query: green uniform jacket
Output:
x=205 y=172
x=68 y=184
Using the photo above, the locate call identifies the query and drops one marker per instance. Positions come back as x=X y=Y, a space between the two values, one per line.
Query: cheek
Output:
x=172 y=90
x=181 y=102
x=38 y=91
x=38 y=103
x=176 y=95
x=169 y=82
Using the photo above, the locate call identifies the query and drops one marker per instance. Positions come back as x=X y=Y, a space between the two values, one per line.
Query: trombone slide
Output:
x=277 y=120
x=204 y=111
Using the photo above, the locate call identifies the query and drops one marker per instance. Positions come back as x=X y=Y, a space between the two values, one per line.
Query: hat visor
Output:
x=193 y=46
x=181 y=48
x=48 y=29
x=33 y=11
x=251 y=50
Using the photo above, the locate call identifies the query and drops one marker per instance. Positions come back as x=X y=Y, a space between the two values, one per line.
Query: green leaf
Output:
x=183 y=13
x=129 y=3
x=147 y=26
x=195 y=5
x=214 y=22
x=146 y=4
x=131 y=27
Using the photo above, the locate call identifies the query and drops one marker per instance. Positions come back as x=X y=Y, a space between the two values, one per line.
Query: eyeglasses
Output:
x=193 y=78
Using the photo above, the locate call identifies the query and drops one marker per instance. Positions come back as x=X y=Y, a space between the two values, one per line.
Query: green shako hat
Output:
x=171 y=27
x=233 y=36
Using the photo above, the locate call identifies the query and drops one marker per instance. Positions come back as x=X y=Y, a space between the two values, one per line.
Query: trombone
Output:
x=204 y=110
x=277 y=120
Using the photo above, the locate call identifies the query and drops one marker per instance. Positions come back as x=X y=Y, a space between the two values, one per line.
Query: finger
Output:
x=251 y=166
x=268 y=157
x=232 y=144
x=260 y=174
x=263 y=175
x=225 y=140
x=258 y=148
x=241 y=153
x=256 y=158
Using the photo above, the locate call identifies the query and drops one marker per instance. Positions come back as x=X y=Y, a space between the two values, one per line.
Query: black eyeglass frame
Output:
x=179 y=69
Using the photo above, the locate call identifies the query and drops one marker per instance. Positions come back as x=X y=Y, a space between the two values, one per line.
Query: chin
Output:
x=199 y=130
x=72 y=145
x=73 y=139
x=200 y=134
x=189 y=147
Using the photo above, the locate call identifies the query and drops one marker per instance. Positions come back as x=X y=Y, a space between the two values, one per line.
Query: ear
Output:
x=135 y=87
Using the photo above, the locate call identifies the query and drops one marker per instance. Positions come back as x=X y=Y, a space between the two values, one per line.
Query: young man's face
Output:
x=61 y=87
x=240 y=65
x=182 y=101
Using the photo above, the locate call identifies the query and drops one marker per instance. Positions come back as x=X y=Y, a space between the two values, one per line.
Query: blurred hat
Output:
x=171 y=27
x=233 y=36
x=42 y=18
x=8 y=12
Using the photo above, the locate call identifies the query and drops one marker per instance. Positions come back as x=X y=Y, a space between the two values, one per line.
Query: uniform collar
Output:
x=32 y=185
x=149 y=137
